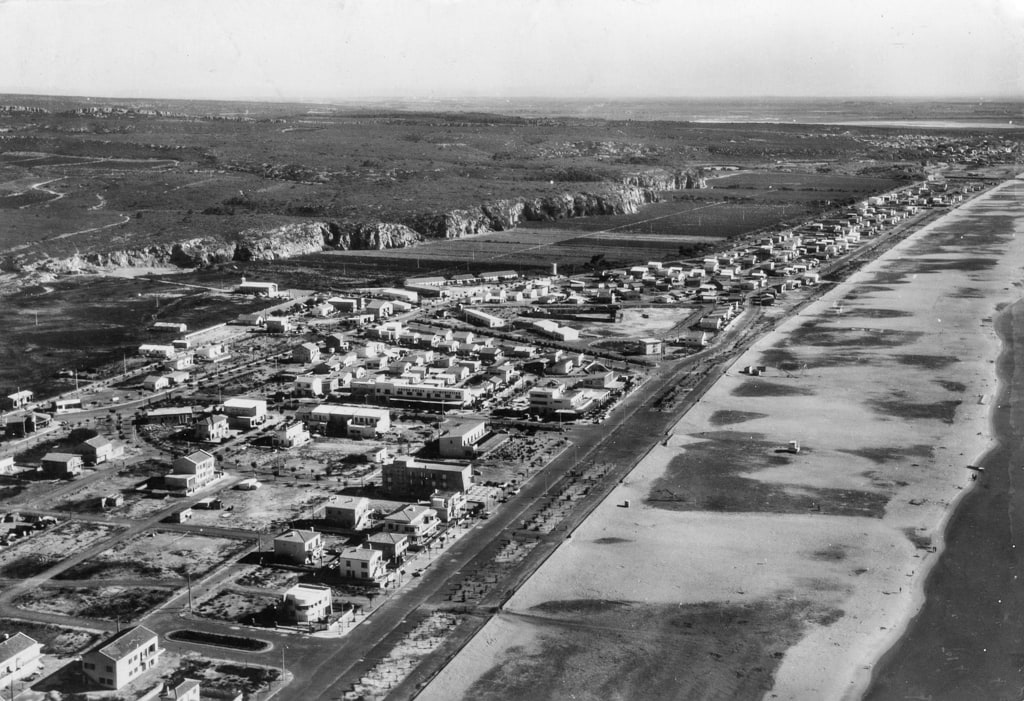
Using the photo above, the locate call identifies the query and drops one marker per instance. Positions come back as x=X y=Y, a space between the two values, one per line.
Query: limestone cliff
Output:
x=295 y=239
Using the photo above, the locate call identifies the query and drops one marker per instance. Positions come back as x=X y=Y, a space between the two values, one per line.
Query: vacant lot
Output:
x=275 y=503
x=62 y=642
x=108 y=603
x=42 y=550
x=159 y=555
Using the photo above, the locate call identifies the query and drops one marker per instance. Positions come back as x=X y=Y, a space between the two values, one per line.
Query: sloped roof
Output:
x=126 y=642
x=15 y=645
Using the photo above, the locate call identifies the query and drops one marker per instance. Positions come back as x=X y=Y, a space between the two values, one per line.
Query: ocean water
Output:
x=967 y=642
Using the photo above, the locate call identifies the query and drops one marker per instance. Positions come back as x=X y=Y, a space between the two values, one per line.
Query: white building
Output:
x=308 y=603
x=458 y=442
x=350 y=420
x=363 y=564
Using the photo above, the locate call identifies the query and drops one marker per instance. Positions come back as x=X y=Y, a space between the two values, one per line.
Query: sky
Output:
x=352 y=49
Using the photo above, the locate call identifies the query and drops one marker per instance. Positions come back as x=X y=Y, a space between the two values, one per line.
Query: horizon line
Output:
x=499 y=98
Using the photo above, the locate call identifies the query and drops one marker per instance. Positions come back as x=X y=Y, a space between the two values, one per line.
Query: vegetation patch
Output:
x=725 y=417
x=232 y=641
x=106 y=603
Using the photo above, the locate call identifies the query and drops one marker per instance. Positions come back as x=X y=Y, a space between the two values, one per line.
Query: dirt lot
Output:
x=267 y=508
x=159 y=555
x=116 y=481
x=42 y=550
x=108 y=603
x=62 y=642
x=640 y=323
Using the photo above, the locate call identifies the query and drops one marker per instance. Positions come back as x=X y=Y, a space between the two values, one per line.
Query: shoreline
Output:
x=745 y=558
x=892 y=651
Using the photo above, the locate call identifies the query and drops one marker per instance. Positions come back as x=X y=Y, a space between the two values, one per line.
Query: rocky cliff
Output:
x=258 y=244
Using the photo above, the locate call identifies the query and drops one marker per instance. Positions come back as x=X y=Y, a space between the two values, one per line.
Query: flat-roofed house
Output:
x=405 y=476
x=19 y=658
x=299 y=547
x=365 y=565
x=307 y=603
x=17 y=400
x=244 y=413
x=354 y=421
x=459 y=441
x=123 y=658
x=259 y=289
x=348 y=512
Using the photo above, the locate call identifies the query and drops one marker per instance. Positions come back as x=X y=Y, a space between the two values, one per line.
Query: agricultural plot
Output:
x=39 y=551
x=158 y=555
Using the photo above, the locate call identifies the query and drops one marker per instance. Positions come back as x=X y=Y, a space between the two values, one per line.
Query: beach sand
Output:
x=740 y=569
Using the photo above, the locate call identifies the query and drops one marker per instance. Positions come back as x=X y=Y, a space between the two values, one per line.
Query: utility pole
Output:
x=189 y=576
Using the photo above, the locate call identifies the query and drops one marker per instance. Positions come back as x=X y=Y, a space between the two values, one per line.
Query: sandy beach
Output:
x=741 y=569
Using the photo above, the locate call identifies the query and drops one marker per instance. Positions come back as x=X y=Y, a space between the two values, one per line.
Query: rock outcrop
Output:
x=295 y=239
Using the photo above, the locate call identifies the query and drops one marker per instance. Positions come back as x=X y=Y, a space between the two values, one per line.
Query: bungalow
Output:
x=187 y=690
x=155 y=383
x=19 y=658
x=177 y=415
x=480 y=318
x=123 y=658
x=363 y=564
x=258 y=289
x=299 y=547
